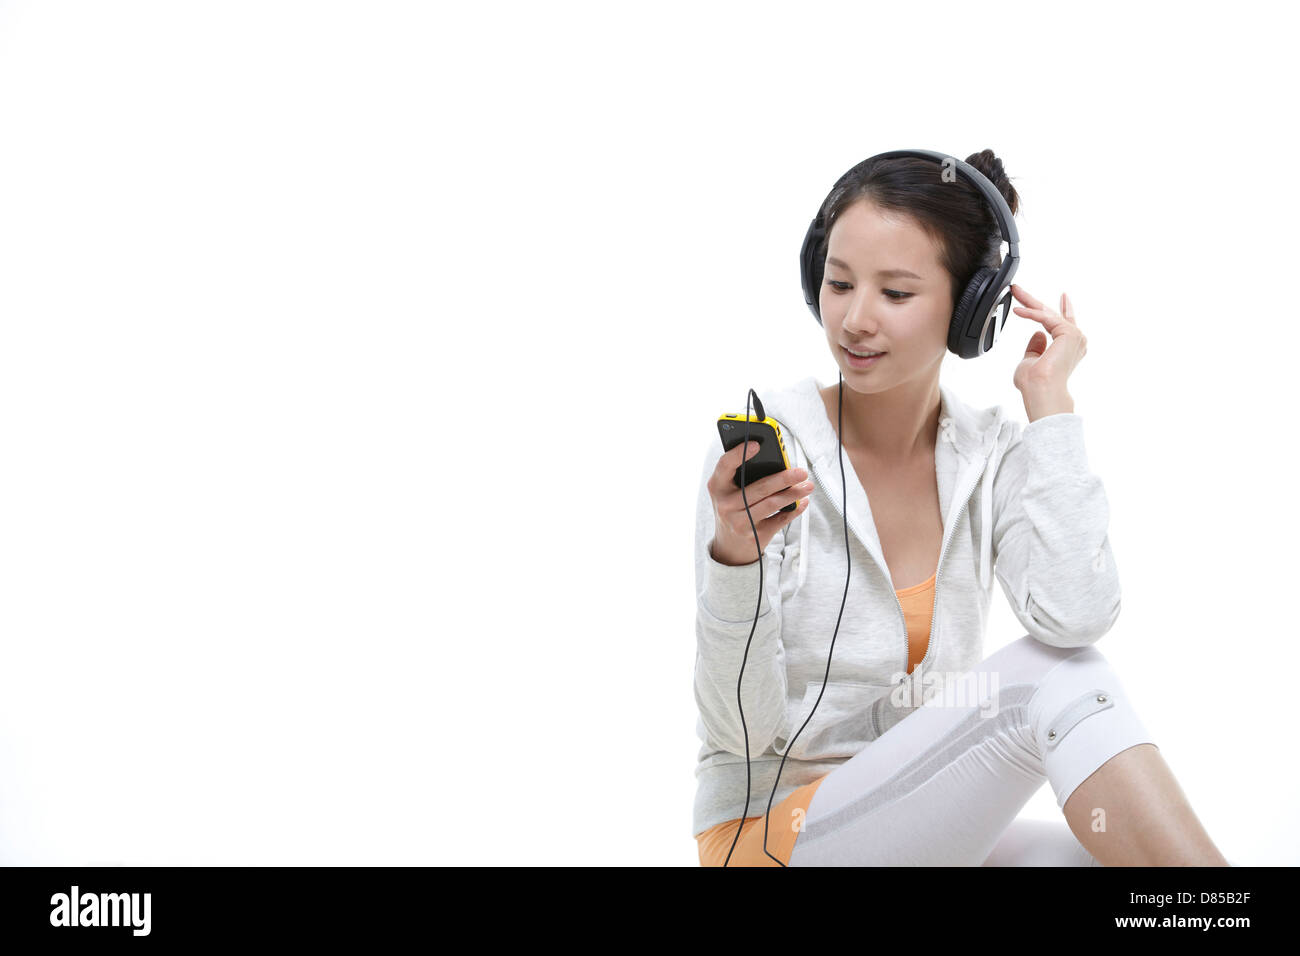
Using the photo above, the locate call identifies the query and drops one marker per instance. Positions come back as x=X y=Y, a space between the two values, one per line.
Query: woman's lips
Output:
x=863 y=362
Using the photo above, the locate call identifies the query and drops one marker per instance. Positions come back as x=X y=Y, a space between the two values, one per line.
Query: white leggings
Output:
x=944 y=785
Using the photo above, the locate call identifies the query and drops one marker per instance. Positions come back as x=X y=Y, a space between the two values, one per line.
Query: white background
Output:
x=357 y=358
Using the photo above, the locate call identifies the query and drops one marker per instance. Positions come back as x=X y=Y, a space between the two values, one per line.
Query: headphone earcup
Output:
x=963 y=340
x=812 y=268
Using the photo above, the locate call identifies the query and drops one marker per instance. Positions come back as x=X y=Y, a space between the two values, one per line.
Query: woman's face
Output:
x=884 y=290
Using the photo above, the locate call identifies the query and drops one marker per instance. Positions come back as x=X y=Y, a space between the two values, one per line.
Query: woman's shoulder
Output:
x=973 y=418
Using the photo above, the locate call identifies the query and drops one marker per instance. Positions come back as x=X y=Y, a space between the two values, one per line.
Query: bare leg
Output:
x=1148 y=821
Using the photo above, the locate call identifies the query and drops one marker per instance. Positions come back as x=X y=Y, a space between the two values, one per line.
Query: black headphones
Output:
x=972 y=331
x=982 y=308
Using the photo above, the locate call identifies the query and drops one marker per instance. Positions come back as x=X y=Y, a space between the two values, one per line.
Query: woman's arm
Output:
x=726 y=599
x=1050 y=534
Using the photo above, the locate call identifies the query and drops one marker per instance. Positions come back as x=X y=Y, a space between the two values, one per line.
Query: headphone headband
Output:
x=995 y=199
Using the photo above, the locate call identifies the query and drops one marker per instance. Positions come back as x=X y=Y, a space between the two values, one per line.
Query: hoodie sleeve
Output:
x=726 y=599
x=1050 y=544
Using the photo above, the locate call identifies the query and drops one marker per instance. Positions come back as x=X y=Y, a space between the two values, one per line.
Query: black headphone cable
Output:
x=843 y=601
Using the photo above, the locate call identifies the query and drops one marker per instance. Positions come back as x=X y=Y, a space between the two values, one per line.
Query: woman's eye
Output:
x=891 y=293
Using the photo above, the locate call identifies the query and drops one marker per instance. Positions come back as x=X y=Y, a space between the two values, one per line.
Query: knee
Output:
x=1079 y=686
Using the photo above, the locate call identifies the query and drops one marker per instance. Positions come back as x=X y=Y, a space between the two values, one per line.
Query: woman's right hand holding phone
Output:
x=733 y=538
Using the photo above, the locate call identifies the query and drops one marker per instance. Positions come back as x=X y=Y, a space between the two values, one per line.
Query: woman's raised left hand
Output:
x=1045 y=368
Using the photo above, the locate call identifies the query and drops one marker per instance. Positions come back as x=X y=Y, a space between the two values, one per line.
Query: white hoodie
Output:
x=1018 y=499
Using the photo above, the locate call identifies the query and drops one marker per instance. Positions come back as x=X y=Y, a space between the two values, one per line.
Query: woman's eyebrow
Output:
x=883 y=273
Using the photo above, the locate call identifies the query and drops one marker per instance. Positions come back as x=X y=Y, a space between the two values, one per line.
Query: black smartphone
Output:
x=771 y=457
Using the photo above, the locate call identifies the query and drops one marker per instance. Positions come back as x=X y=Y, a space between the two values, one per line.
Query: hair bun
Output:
x=987 y=162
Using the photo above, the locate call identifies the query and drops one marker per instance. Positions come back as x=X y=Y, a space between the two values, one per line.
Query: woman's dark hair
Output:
x=954 y=212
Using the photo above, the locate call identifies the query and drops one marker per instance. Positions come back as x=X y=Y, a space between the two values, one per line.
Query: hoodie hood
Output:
x=968 y=447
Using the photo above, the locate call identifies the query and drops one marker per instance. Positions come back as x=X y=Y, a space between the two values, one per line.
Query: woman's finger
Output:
x=1054 y=322
x=767 y=523
x=1020 y=293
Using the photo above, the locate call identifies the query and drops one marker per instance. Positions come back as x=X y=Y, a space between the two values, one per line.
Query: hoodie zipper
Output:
x=934 y=611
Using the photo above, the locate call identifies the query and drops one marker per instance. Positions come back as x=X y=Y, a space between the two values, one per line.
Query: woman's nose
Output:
x=859 y=321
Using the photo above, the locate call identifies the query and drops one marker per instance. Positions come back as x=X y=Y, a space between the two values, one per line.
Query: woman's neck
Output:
x=895 y=425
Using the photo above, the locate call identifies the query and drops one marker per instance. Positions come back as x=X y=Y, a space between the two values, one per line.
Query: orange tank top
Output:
x=918 y=606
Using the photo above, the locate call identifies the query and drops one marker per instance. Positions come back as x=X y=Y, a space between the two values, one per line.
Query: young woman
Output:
x=912 y=747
